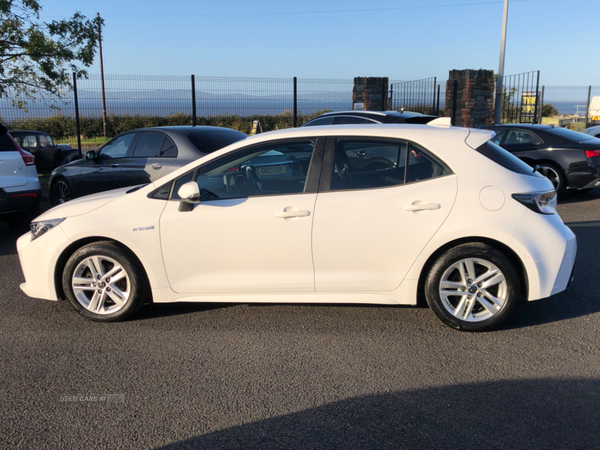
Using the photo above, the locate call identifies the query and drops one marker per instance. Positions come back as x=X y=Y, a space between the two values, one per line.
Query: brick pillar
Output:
x=475 y=100
x=371 y=92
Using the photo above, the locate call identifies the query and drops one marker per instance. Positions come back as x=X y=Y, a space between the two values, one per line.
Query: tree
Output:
x=548 y=110
x=40 y=56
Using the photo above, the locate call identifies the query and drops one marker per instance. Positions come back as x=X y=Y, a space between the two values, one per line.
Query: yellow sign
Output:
x=595 y=119
x=577 y=126
x=255 y=127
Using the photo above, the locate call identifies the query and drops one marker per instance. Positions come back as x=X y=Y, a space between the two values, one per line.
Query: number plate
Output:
x=271 y=170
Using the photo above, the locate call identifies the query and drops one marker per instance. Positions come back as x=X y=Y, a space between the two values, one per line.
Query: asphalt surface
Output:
x=304 y=377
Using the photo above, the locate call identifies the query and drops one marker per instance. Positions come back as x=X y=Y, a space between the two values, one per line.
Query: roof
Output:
x=187 y=129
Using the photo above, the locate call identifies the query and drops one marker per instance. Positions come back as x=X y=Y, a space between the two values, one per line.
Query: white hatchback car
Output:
x=20 y=192
x=378 y=214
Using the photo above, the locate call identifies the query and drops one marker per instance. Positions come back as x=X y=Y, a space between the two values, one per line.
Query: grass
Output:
x=92 y=143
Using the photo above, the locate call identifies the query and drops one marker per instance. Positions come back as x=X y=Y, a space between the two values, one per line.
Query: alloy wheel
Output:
x=101 y=285
x=473 y=289
x=60 y=193
x=552 y=175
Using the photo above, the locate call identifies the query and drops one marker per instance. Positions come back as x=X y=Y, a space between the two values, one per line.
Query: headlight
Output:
x=42 y=227
x=540 y=202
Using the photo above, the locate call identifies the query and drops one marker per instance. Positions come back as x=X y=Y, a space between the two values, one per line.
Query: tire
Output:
x=60 y=192
x=554 y=174
x=104 y=299
x=461 y=302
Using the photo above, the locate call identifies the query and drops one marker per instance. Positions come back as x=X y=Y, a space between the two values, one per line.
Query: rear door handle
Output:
x=421 y=206
x=114 y=165
x=292 y=213
x=157 y=166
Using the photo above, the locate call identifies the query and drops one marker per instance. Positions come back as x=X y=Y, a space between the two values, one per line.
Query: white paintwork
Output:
x=593 y=131
x=348 y=247
x=15 y=176
x=442 y=122
x=367 y=240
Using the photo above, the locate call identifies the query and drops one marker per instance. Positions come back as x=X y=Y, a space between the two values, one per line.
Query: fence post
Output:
x=295 y=102
x=391 y=105
x=587 y=109
x=193 y=100
x=537 y=100
x=77 y=113
x=437 y=106
x=433 y=103
x=541 y=104
x=454 y=95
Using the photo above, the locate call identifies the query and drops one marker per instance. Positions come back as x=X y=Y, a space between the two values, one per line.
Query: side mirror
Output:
x=90 y=155
x=3 y=129
x=190 y=195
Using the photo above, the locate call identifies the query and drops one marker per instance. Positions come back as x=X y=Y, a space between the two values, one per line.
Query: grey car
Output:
x=137 y=157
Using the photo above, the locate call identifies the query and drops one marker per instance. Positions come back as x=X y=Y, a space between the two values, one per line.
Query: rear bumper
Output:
x=19 y=201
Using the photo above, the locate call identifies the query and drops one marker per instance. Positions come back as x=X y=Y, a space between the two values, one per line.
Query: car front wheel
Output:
x=473 y=287
x=104 y=282
x=60 y=192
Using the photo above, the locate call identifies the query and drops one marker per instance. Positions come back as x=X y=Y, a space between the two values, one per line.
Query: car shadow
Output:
x=530 y=413
x=160 y=310
x=574 y=196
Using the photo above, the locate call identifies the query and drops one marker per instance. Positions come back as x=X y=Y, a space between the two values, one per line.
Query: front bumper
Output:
x=38 y=260
x=19 y=201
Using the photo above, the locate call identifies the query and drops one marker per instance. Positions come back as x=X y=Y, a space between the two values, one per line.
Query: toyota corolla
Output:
x=381 y=214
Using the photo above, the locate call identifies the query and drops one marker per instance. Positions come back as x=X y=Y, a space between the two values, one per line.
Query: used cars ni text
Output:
x=379 y=214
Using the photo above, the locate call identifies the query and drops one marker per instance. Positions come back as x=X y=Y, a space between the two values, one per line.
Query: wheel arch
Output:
x=73 y=247
x=509 y=252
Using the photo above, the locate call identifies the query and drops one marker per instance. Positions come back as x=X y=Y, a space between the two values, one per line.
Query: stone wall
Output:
x=371 y=92
x=475 y=97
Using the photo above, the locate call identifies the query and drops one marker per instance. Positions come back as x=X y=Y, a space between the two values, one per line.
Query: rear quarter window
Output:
x=210 y=141
x=504 y=158
x=7 y=144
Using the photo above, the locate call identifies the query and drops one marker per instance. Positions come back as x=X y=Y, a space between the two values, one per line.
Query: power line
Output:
x=454 y=5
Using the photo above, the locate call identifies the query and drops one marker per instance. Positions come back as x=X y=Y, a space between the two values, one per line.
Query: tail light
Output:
x=28 y=158
x=592 y=153
x=540 y=202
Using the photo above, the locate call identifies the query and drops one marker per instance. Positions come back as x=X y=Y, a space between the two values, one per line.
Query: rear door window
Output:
x=7 y=144
x=149 y=145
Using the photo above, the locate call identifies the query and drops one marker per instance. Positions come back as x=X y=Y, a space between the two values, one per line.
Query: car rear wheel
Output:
x=104 y=282
x=554 y=174
x=60 y=192
x=473 y=287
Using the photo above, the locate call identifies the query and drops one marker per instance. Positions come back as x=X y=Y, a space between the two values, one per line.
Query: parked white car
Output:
x=593 y=131
x=379 y=214
x=20 y=192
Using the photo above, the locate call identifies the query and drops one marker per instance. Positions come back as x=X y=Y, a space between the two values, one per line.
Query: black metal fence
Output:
x=419 y=95
x=521 y=98
x=134 y=101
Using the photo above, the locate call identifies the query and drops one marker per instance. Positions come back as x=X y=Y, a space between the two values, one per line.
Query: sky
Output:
x=399 y=39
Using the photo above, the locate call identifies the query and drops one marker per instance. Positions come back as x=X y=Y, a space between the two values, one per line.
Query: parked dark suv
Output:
x=48 y=156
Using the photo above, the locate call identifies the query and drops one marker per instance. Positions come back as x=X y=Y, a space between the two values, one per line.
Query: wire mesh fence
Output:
x=417 y=95
x=133 y=101
x=521 y=98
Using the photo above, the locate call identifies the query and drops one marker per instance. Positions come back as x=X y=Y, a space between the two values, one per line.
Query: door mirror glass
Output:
x=90 y=155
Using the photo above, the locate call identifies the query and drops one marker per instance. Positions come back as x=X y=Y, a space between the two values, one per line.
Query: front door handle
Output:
x=290 y=212
x=114 y=165
x=157 y=166
x=421 y=206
